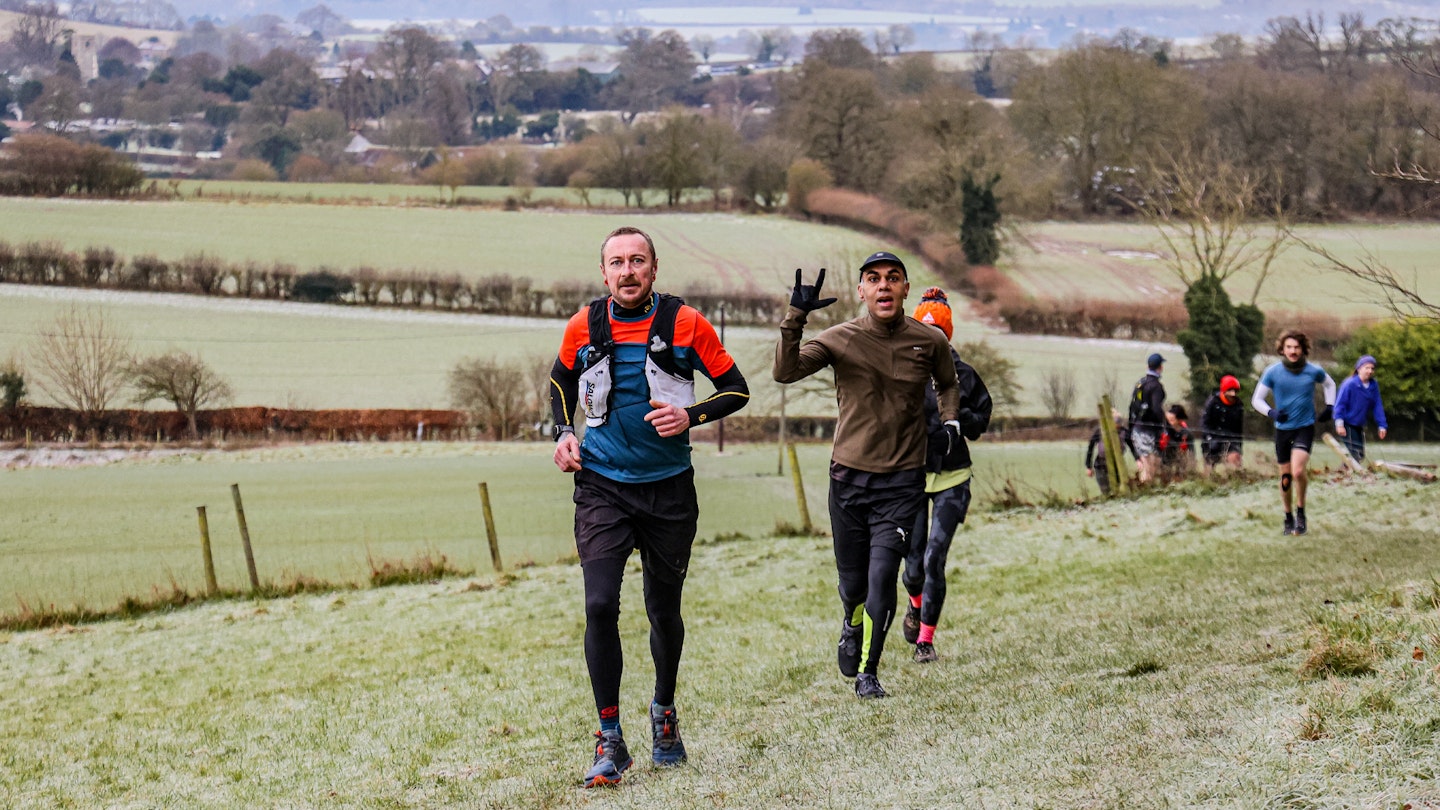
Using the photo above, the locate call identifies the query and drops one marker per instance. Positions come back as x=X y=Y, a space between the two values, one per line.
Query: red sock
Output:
x=915 y=602
x=927 y=634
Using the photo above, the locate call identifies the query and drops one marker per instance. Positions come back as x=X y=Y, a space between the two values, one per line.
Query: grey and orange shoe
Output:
x=667 y=747
x=612 y=759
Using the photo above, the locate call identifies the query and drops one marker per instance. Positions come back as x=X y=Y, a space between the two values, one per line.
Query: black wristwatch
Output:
x=561 y=430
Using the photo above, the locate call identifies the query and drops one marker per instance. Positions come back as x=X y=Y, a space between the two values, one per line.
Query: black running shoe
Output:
x=848 y=652
x=667 y=747
x=1289 y=524
x=868 y=686
x=925 y=653
x=612 y=758
x=1300 y=527
x=912 y=624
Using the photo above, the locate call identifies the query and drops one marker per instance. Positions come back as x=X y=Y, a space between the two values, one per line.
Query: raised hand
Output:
x=806 y=297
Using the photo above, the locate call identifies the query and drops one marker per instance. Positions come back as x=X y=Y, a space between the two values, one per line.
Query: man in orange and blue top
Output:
x=628 y=362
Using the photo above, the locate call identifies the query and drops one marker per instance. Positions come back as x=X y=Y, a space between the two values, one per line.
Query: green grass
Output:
x=307 y=356
x=1066 y=260
x=91 y=536
x=1087 y=660
x=722 y=250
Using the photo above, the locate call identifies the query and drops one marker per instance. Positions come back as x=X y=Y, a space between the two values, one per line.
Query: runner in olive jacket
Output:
x=883 y=361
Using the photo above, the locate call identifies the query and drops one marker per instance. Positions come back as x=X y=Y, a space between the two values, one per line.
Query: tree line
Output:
x=1312 y=108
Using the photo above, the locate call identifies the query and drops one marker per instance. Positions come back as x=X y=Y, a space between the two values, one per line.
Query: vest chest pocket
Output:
x=668 y=388
x=595 y=384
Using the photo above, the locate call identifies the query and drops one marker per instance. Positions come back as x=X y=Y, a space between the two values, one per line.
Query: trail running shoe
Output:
x=925 y=653
x=667 y=748
x=912 y=624
x=612 y=758
x=1300 y=527
x=868 y=686
x=1289 y=524
x=848 y=651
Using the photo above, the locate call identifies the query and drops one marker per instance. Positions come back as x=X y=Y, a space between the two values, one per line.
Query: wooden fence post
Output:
x=245 y=539
x=490 y=528
x=211 y=586
x=1114 y=461
x=805 y=524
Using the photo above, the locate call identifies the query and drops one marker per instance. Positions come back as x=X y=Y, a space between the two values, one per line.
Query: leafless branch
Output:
x=1396 y=294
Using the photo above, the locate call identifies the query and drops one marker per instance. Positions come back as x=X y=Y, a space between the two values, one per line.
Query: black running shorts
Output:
x=613 y=519
x=1287 y=441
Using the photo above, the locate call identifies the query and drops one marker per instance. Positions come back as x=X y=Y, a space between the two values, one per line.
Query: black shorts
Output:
x=1289 y=440
x=874 y=509
x=613 y=518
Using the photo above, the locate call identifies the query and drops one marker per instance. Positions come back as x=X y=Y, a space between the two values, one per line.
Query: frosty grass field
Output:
x=1169 y=652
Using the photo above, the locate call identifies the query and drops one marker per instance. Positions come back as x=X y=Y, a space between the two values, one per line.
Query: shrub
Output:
x=804 y=177
x=45 y=165
x=100 y=266
x=254 y=170
x=321 y=287
x=308 y=169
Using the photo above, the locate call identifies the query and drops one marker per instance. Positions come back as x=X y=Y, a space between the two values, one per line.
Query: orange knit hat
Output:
x=934 y=309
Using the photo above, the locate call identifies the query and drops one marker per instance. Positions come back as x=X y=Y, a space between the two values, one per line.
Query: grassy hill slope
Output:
x=1135 y=655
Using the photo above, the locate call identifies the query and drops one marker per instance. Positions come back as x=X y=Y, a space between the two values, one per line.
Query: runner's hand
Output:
x=567 y=453
x=1327 y=413
x=806 y=297
x=952 y=436
x=668 y=420
x=1278 y=416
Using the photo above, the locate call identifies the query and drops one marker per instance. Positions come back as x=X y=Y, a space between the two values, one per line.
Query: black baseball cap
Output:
x=884 y=257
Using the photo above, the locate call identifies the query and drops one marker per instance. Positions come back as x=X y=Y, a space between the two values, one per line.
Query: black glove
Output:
x=807 y=298
x=1278 y=416
x=952 y=436
x=1327 y=413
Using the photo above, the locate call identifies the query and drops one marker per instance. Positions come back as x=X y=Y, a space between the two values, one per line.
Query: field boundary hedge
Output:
x=50 y=264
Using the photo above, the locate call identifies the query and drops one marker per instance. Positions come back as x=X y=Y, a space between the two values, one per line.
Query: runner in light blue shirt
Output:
x=1293 y=381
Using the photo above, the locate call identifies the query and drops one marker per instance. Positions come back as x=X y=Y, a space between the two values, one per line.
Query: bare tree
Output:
x=1399 y=295
x=82 y=361
x=499 y=396
x=37 y=32
x=182 y=379
x=1058 y=391
x=1210 y=216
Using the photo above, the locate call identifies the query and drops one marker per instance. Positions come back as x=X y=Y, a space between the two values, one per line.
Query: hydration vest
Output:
x=668 y=381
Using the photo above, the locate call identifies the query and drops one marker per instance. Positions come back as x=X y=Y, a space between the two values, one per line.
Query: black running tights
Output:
x=602 y=631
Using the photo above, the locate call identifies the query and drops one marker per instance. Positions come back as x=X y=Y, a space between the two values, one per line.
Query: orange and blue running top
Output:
x=626 y=447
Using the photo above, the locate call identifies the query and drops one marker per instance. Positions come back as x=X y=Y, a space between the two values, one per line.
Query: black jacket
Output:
x=975 y=410
x=1147 y=404
x=1220 y=422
